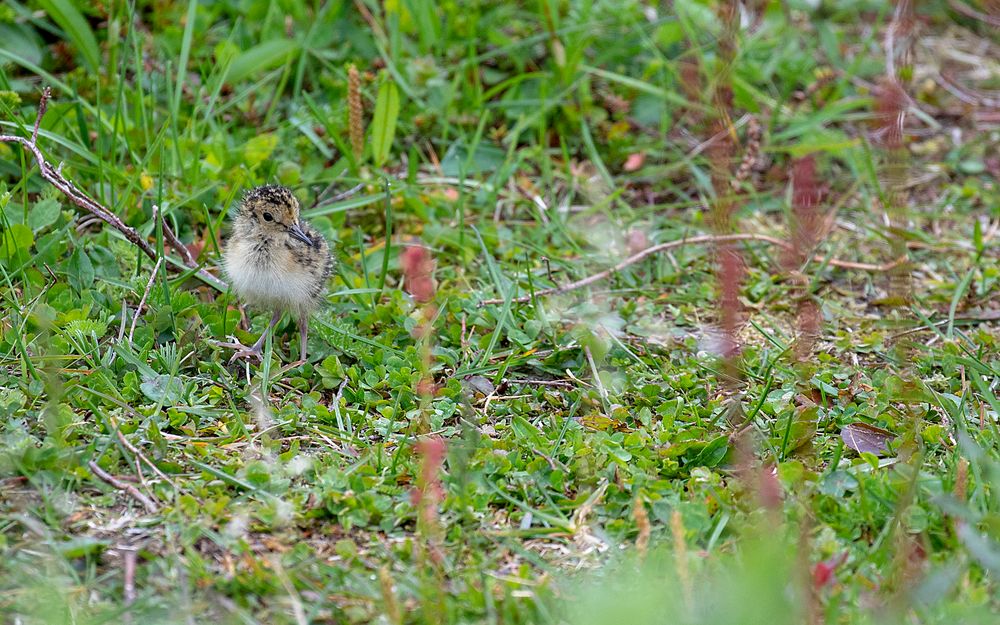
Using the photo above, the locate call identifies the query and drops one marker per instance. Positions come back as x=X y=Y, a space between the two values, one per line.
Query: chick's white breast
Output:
x=270 y=280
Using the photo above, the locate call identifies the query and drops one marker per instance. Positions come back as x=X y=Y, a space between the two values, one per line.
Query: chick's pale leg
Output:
x=255 y=351
x=303 y=336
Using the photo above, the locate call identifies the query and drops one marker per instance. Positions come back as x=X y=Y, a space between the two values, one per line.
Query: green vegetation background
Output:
x=584 y=457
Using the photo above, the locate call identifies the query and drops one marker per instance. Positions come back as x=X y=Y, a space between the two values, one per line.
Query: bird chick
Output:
x=276 y=261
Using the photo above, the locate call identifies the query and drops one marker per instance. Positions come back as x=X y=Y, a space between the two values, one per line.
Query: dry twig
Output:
x=966 y=10
x=132 y=491
x=968 y=95
x=707 y=239
x=54 y=176
x=145 y=294
x=322 y=200
x=129 y=558
x=138 y=454
x=172 y=239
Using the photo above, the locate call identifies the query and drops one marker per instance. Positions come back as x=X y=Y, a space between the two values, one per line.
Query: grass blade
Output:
x=384 y=122
x=265 y=56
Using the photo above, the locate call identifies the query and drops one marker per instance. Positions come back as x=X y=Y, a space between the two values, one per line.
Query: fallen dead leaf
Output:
x=862 y=438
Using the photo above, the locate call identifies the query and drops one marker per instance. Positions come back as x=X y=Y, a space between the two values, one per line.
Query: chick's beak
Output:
x=296 y=231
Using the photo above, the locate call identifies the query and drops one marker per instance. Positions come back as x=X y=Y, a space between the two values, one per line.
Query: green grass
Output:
x=524 y=145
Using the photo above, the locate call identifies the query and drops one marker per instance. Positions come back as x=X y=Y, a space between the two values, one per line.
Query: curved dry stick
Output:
x=172 y=239
x=54 y=176
x=968 y=95
x=968 y=11
x=708 y=238
x=145 y=294
x=146 y=502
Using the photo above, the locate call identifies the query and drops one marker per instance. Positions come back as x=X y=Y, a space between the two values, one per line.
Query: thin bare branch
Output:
x=129 y=556
x=54 y=176
x=145 y=294
x=138 y=454
x=56 y=179
x=560 y=383
x=705 y=239
x=343 y=195
x=966 y=10
x=129 y=559
x=173 y=240
x=132 y=491
x=966 y=94
x=43 y=104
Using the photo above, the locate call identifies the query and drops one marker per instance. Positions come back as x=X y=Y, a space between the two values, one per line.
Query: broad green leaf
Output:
x=837 y=483
x=696 y=17
x=80 y=270
x=20 y=37
x=712 y=454
x=66 y=15
x=16 y=237
x=259 y=149
x=44 y=214
x=12 y=213
x=384 y=121
x=526 y=431
x=485 y=158
x=617 y=451
x=11 y=400
x=82 y=546
x=261 y=57
x=162 y=388
x=225 y=52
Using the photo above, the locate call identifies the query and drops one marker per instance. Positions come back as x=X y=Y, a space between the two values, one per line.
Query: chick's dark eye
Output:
x=268 y=217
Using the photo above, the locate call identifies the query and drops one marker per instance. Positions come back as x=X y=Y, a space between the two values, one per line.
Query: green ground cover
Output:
x=789 y=428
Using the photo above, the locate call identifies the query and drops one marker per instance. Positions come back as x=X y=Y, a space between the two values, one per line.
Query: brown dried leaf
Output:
x=478 y=385
x=862 y=438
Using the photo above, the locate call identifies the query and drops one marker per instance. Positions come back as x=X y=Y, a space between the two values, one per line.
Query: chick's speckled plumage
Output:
x=267 y=264
x=274 y=260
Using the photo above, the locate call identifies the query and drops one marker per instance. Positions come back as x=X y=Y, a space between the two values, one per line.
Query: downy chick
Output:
x=276 y=261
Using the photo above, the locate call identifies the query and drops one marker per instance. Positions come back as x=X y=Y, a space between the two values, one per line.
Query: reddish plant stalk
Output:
x=730 y=268
x=428 y=494
x=418 y=275
x=356 y=122
x=806 y=197
x=891 y=106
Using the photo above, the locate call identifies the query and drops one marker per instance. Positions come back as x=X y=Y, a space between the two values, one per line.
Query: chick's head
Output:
x=273 y=211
